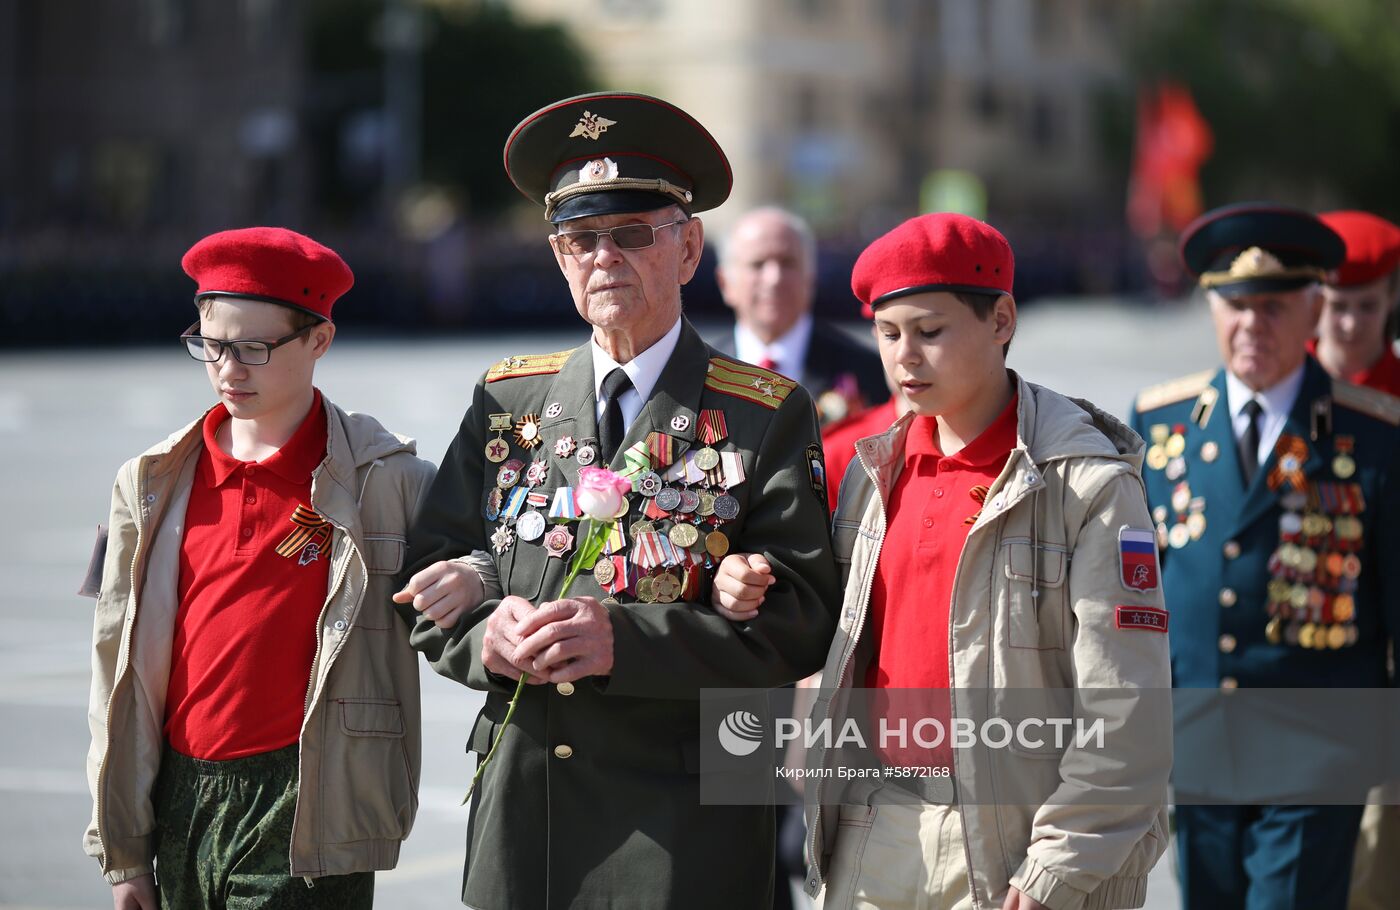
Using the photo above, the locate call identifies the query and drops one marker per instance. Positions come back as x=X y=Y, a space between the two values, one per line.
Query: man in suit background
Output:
x=768 y=277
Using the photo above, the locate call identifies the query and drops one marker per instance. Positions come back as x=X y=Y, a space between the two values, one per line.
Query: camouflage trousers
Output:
x=224 y=832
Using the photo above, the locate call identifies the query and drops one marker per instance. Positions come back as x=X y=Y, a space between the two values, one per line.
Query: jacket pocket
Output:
x=844 y=535
x=1035 y=595
x=483 y=734
x=366 y=762
x=384 y=553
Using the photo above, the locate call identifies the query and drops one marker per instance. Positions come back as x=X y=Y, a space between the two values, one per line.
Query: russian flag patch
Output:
x=1153 y=619
x=1137 y=559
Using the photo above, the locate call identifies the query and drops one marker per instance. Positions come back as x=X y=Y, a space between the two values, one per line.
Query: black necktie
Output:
x=1249 y=443
x=610 y=429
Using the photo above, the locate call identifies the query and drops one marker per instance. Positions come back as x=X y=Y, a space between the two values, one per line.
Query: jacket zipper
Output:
x=857 y=623
x=128 y=625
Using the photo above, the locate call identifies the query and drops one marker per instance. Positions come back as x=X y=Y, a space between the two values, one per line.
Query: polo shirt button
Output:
x=250 y=470
x=247 y=532
x=1228 y=597
x=563 y=751
x=339 y=625
x=928 y=522
x=250 y=499
x=1227 y=643
x=1232 y=549
x=938 y=493
x=565 y=688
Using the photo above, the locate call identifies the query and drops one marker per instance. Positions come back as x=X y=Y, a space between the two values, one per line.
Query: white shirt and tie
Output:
x=644 y=371
x=786 y=354
x=1275 y=403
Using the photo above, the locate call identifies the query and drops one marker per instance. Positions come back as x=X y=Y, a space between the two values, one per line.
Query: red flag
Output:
x=1173 y=141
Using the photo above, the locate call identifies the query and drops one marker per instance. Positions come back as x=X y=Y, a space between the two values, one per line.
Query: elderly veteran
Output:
x=1275 y=497
x=593 y=797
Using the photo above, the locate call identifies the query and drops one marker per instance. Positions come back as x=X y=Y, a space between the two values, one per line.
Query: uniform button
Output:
x=247 y=532
x=928 y=522
x=1227 y=643
x=1232 y=549
x=1228 y=597
x=339 y=625
x=565 y=688
x=1229 y=682
x=563 y=751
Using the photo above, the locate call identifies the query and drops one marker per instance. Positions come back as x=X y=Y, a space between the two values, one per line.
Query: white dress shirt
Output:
x=644 y=370
x=1275 y=401
x=789 y=351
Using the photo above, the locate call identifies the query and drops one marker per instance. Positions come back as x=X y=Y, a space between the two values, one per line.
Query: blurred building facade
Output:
x=126 y=120
x=845 y=109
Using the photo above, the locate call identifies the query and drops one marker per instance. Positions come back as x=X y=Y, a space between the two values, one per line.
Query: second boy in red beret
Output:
x=996 y=538
x=1356 y=333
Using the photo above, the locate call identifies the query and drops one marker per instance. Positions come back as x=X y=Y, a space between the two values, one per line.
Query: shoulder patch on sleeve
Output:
x=528 y=365
x=1371 y=402
x=746 y=381
x=1175 y=390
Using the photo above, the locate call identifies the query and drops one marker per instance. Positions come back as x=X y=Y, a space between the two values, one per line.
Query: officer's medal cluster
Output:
x=671 y=533
x=1188 y=513
x=1315 y=569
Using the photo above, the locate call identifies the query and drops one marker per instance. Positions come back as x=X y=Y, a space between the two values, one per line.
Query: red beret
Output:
x=939 y=252
x=271 y=264
x=1373 y=247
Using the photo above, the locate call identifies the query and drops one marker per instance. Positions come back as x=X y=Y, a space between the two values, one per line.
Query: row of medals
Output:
x=1315 y=568
x=697 y=513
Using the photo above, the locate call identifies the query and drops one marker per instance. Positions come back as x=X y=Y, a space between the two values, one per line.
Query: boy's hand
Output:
x=739 y=586
x=442 y=592
x=1015 y=900
x=136 y=894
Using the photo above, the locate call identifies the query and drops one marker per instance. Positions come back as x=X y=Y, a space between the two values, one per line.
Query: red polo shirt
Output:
x=252 y=584
x=930 y=512
x=839 y=441
x=1384 y=374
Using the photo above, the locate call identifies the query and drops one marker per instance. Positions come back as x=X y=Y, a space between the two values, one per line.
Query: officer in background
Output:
x=768 y=277
x=1356 y=335
x=593 y=797
x=1274 y=492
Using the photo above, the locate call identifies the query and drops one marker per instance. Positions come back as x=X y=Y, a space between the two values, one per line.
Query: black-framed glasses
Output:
x=626 y=236
x=248 y=353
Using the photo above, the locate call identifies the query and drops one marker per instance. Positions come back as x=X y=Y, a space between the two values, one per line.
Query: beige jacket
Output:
x=1033 y=608
x=360 y=738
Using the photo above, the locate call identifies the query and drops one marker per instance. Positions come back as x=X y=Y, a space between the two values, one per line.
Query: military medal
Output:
x=527 y=431
x=587 y=453
x=559 y=541
x=1210 y=450
x=649 y=484
x=707 y=459
x=716 y=544
x=530 y=526
x=501 y=539
x=509 y=474
x=726 y=507
x=604 y=572
x=497 y=449
x=536 y=473
x=1343 y=465
x=1176 y=442
x=564 y=446
x=1343 y=608
x=1159 y=514
x=1157 y=455
x=690 y=501
x=1196 y=525
x=1176 y=468
x=554 y=410
x=492 y=511
x=1179 y=536
x=644 y=590
x=1292 y=452
x=1336 y=637
x=684 y=535
x=707 y=504
x=668 y=499
x=1181 y=497
x=666 y=588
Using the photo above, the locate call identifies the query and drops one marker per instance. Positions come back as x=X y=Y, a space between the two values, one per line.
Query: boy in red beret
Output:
x=995 y=540
x=254 y=706
x=1357 y=331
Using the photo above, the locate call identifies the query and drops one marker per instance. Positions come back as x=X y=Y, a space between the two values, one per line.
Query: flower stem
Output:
x=574 y=568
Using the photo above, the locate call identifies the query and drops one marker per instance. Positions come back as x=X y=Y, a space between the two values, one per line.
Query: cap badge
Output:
x=591 y=126
x=598 y=169
x=1255 y=262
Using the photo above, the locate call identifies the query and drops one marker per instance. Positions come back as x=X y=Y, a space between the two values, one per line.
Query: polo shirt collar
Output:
x=294 y=462
x=992 y=444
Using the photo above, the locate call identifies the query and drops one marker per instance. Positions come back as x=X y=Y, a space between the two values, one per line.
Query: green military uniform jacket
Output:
x=593 y=798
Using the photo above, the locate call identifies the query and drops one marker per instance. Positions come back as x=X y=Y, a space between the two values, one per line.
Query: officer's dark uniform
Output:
x=593 y=798
x=1283 y=582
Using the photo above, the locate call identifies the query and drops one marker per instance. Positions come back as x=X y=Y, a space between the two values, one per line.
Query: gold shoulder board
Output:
x=1369 y=401
x=528 y=365
x=746 y=381
x=1154 y=397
